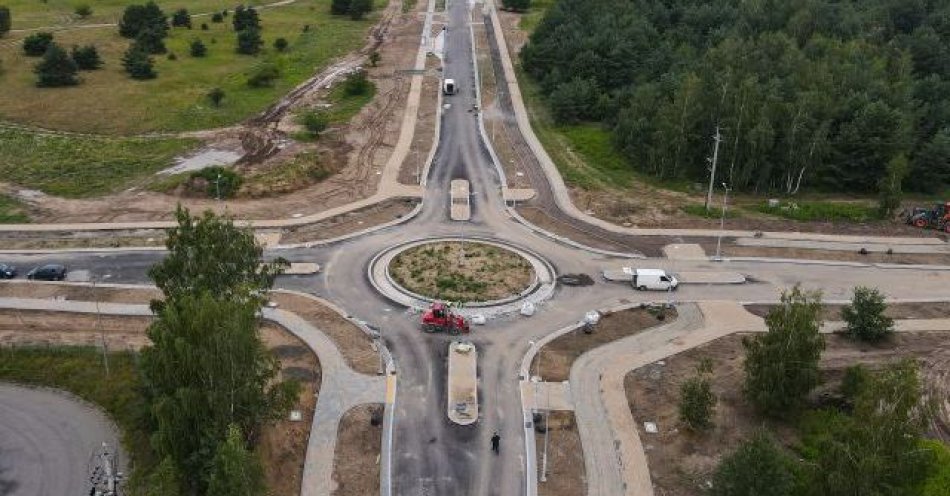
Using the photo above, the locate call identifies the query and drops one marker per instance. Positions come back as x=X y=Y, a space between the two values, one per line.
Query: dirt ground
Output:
x=57 y=240
x=557 y=356
x=681 y=463
x=356 y=460
x=566 y=474
x=358 y=152
x=478 y=272
x=353 y=343
x=355 y=221
x=78 y=292
x=730 y=250
x=940 y=310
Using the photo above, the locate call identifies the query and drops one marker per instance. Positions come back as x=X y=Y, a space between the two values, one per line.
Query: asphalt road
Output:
x=46 y=441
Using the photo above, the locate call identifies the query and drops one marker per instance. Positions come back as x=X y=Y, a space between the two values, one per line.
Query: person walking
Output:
x=495 y=441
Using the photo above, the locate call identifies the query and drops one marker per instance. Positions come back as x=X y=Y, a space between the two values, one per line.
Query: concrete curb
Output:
x=833 y=263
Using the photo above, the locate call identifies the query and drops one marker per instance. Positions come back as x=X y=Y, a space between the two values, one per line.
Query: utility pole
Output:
x=102 y=336
x=722 y=221
x=712 y=170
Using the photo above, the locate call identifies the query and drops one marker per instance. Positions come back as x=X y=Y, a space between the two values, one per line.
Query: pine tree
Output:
x=56 y=69
x=359 y=8
x=245 y=18
x=249 y=42
x=198 y=49
x=151 y=41
x=86 y=58
x=181 y=19
x=35 y=45
x=340 y=7
x=6 y=20
x=137 y=18
x=138 y=64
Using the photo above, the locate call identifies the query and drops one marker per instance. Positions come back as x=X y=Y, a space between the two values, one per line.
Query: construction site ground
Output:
x=732 y=250
x=358 y=445
x=634 y=201
x=897 y=311
x=681 y=463
x=282 y=444
x=350 y=222
x=354 y=152
x=557 y=357
x=565 y=456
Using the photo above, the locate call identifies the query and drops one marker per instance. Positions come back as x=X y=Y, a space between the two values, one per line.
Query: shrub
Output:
x=314 y=122
x=697 y=403
x=172 y=56
x=217 y=17
x=181 y=19
x=56 y=69
x=83 y=10
x=216 y=182
x=263 y=75
x=249 y=41
x=216 y=95
x=359 y=8
x=151 y=41
x=357 y=84
x=138 y=64
x=865 y=316
x=86 y=58
x=198 y=49
x=340 y=7
x=138 y=18
x=374 y=58
x=35 y=45
x=280 y=44
x=758 y=467
x=5 y=20
x=204 y=26
x=245 y=18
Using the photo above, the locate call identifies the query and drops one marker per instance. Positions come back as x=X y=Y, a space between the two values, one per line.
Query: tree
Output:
x=249 y=42
x=198 y=49
x=138 y=18
x=236 y=471
x=876 y=450
x=757 y=468
x=865 y=316
x=245 y=18
x=217 y=17
x=889 y=187
x=6 y=21
x=86 y=58
x=138 y=64
x=181 y=19
x=781 y=365
x=35 y=45
x=263 y=75
x=209 y=254
x=340 y=7
x=697 y=403
x=516 y=5
x=207 y=369
x=280 y=44
x=151 y=41
x=165 y=479
x=83 y=10
x=357 y=84
x=314 y=122
x=359 y=8
x=216 y=95
x=56 y=69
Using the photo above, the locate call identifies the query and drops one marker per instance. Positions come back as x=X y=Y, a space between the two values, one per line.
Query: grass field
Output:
x=11 y=211
x=108 y=101
x=76 y=167
x=80 y=371
x=31 y=14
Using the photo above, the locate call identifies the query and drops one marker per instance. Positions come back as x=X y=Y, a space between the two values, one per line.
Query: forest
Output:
x=816 y=95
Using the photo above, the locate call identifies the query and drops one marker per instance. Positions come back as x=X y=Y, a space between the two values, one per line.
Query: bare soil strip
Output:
x=565 y=467
x=557 y=357
x=351 y=222
x=730 y=250
x=358 y=445
x=936 y=310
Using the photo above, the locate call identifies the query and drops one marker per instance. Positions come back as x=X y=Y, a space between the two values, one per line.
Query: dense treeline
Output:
x=820 y=94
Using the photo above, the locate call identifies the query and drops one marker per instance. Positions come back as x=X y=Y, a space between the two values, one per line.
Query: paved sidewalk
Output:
x=340 y=390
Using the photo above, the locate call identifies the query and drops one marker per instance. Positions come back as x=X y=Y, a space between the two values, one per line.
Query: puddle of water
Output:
x=202 y=159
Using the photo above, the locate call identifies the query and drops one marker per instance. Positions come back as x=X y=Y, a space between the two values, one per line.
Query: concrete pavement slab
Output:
x=684 y=251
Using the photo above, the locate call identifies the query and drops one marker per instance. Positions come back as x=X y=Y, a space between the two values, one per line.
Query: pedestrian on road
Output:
x=495 y=440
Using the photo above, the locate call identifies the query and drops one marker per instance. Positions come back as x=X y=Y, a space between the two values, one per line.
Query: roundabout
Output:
x=484 y=276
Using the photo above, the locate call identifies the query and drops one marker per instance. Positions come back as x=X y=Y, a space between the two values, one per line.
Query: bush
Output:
x=697 y=403
x=357 y=84
x=216 y=95
x=83 y=11
x=758 y=467
x=865 y=316
x=359 y=8
x=280 y=44
x=56 y=69
x=204 y=26
x=263 y=75
x=138 y=64
x=138 y=18
x=246 y=18
x=217 y=17
x=216 y=182
x=340 y=7
x=314 y=122
x=5 y=20
x=249 y=41
x=181 y=19
x=86 y=58
x=172 y=56
x=151 y=41
x=35 y=45
x=374 y=58
x=198 y=49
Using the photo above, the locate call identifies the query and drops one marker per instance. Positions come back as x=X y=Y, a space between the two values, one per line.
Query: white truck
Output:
x=449 y=87
x=644 y=279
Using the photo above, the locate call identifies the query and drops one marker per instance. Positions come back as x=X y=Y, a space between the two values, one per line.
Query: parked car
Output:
x=49 y=272
x=7 y=271
x=655 y=279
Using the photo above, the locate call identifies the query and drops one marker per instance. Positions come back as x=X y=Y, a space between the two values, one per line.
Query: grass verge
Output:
x=12 y=211
x=80 y=371
x=821 y=211
x=76 y=167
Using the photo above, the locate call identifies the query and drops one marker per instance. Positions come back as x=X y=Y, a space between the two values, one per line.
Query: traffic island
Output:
x=463 y=383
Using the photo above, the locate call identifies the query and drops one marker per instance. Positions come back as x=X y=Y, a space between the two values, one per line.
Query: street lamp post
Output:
x=722 y=221
x=217 y=186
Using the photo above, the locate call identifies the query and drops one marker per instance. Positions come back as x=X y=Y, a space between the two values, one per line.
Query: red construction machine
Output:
x=440 y=318
x=937 y=217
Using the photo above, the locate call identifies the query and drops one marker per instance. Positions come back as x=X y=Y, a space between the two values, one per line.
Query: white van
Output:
x=655 y=279
x=449 y=87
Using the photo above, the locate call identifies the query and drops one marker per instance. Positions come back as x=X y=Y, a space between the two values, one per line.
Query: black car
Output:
x=51 y=272
x=7 y=271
